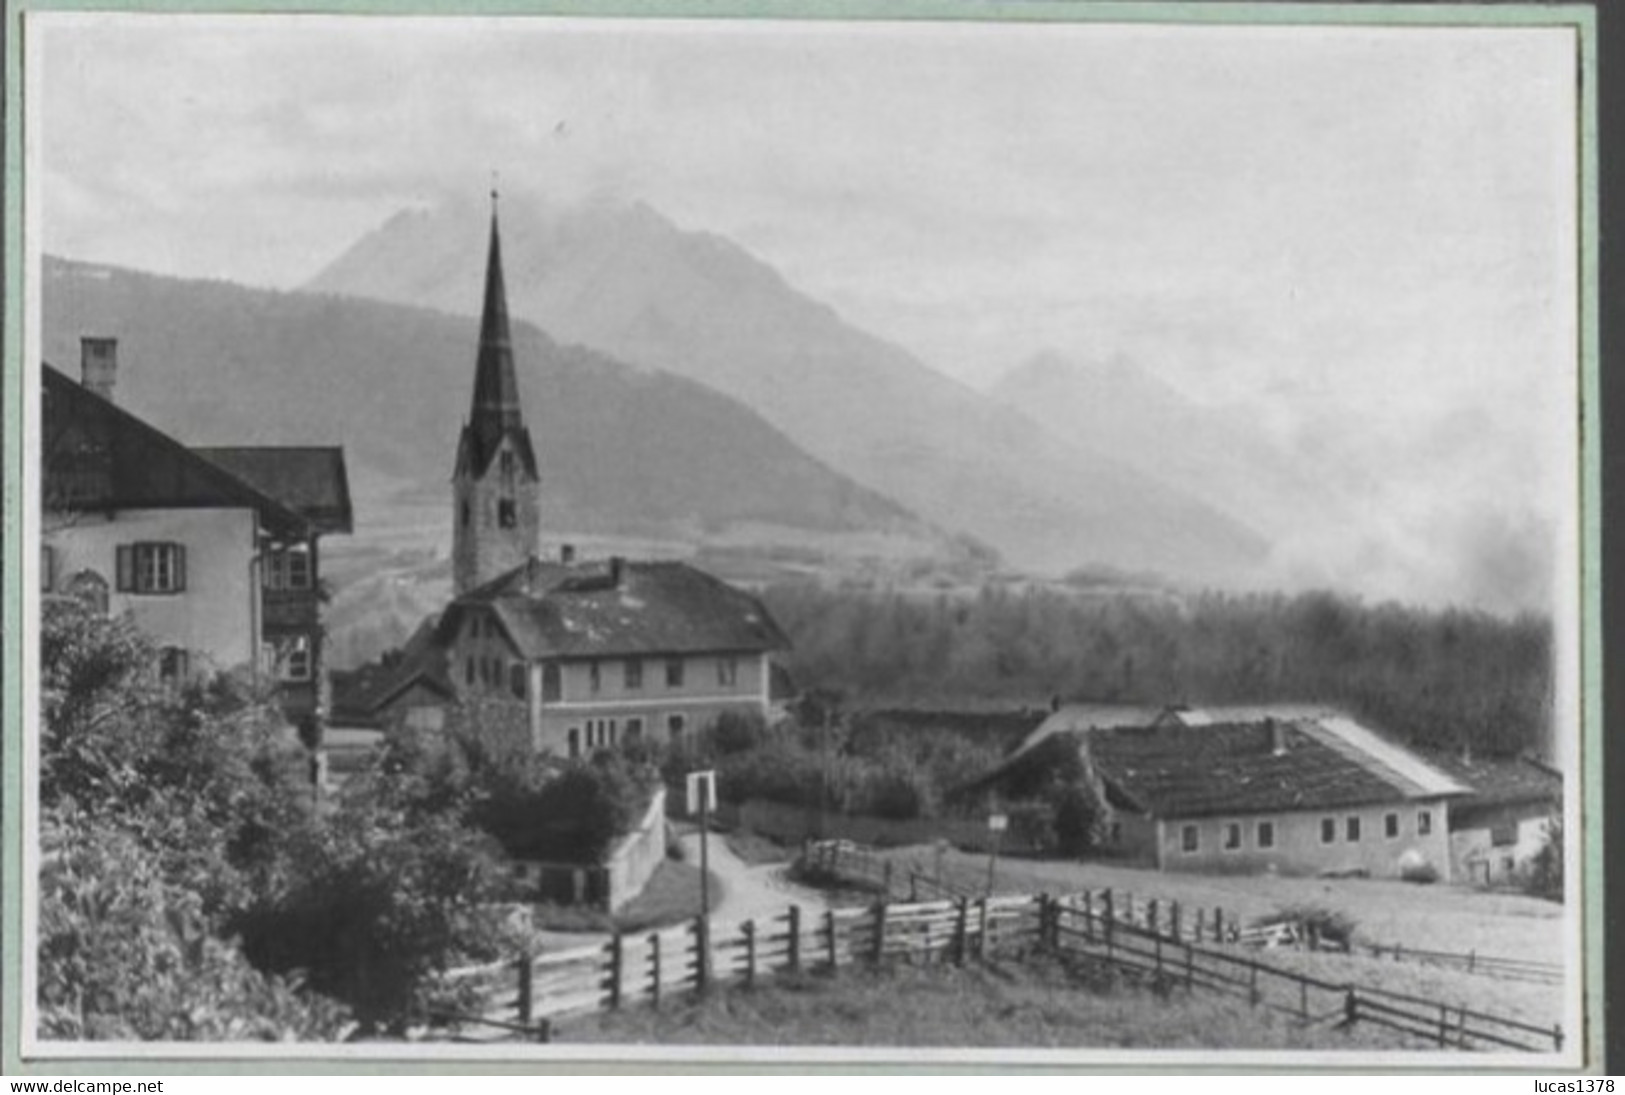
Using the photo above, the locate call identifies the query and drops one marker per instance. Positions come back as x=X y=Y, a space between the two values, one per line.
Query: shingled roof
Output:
x=1175 y=771
x=554 y=610
x=309 y=479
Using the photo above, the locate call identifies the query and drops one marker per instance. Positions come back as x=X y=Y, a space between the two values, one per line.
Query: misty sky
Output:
x=1364 y=236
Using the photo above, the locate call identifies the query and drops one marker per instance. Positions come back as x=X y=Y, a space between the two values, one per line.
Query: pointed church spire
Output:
x=496 y=391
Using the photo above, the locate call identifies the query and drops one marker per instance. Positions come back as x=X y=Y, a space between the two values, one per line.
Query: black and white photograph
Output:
x=843 y=540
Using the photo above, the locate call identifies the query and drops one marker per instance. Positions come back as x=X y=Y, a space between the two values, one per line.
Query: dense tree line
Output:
x=1440 y=678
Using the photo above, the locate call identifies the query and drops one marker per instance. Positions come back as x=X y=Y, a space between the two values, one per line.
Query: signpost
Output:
x=702 y=799
x=996 y=824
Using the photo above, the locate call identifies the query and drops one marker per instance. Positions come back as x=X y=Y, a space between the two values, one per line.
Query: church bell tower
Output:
x=496 y=516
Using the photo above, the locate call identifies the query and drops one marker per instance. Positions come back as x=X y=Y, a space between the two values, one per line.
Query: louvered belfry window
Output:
x=152 y=567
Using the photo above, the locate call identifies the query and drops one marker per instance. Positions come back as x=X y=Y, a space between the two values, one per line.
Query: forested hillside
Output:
x=1437 y=678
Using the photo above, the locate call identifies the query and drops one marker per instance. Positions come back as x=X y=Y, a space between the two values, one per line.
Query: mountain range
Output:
x=627 y=282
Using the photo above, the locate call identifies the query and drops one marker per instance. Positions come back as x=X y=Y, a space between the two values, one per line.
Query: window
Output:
x=1352 y=830
x=634 y=673
x=1424 y=822
x=1232 y=836
x=1390 y=825
x=287 y=568
x=551 y=685
x=292 y=657
x=507 y=516
x=47 y=568
x=1189 y=839
x=1328 y=830
x=516 y=679
x=727 y=671
x=468 y=674
x=1266 y=834
x=674 y=672
x=172 y=665
x=634 y=730
x=675 y=724
x=595 y=679
x=1504 y=834
x=90 y=588
x=609 y=732
x=575 y=742
x=151 y=568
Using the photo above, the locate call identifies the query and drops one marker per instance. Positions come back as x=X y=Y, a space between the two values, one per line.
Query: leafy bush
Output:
x=1544 y=877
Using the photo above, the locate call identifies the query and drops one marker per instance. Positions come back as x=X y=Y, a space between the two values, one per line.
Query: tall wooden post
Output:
x=961 y=930
x=795 y=937
x=829 y=927
x=1110 y=915
x=749 y=930
x=880 y=931
x=615 y=955
x=654 y=968
x=1174 y=926
x=702 y=956
x=526 y=973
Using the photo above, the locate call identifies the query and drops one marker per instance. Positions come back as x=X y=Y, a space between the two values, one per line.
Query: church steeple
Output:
x=495 y=484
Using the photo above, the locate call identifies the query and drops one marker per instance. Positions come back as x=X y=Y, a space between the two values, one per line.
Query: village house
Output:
x=1292 y=790
x=1498 y=829
x=214 y=553
x=583 y=654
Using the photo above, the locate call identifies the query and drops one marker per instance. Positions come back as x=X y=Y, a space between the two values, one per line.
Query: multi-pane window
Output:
x=507 y=514
x=634 y=673
x=675 y=725
x=1390 y=825
x=727 y=672
x=674 y=672
x=172 y=665
x=1328 y=830
x=1232 y=836
x=595 y=678
x=552 y=686
x=1189 y=838
x=151 y=568
x=1352 y=830
x=1266 y=834
x=292 y=657
x=634 y=730
x=287 y=568
x=1424 y=822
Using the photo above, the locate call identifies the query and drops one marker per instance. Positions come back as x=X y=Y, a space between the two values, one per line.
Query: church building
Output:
x=581 y=654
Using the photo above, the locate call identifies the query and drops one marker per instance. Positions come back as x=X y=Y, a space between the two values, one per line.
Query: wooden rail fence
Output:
x=527 y=997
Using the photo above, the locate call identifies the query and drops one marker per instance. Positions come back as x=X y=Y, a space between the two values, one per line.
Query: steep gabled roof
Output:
x=1501 y=781
x=583 y=610
x=309 y=479
x=98 y=457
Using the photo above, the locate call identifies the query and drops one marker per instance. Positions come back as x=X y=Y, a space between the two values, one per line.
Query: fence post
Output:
x=1156 y=946
x=1557 y=1037
x=1201 y=914
x=1190 y=956
x=749 y=928
x=1444 y=1024
x=1174 y=913
x=961 y=930
x=795 y=937
x=1303 y=1000
x=880 y=931
x=654 y=968
x=1351 y=1007
x=1111 y=915
x=981 y=935
x=702 y=956
x=525 y=1002
x=1046 y=919
x=615 y=971
x=1088 y=916
x=1151 y=917
x=885 y=884
x=1218 y=924
x=829 y=927
x=1252 y=982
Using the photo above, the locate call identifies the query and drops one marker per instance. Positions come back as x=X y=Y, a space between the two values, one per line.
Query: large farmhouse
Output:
x=1292 y=790
x=587 y=654
x=214 y=553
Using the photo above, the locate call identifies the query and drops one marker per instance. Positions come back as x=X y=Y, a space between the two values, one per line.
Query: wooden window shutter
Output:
x=126 y=568
x=180 y=568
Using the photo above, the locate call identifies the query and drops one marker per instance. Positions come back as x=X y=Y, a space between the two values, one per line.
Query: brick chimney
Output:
x=98 y=365
x=1277 y=737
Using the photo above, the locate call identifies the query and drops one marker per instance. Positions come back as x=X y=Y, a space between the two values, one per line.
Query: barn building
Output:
x=579 y=654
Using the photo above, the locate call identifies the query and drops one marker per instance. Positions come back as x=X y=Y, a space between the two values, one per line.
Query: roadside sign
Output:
x=998 y=823
x=702 y=784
